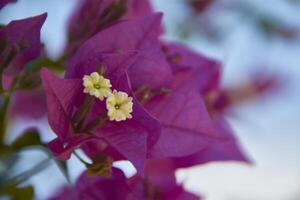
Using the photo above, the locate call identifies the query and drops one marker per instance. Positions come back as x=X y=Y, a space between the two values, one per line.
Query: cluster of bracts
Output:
x=125 y=95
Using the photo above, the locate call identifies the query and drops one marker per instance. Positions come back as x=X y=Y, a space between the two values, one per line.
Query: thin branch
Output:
x=29 y=173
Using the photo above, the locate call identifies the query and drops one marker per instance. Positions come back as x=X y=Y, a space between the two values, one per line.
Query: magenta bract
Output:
x=101 y=14
x=94 y=188
x=159 y=182
x=4 y=2
x=136 y=43
x=20 y=43
x=129 y=138
x=189 y=134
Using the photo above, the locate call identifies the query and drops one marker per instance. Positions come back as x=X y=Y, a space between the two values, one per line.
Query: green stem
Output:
x=49 y=154
x=80 y=159
x=4 y=109
x=27 y=174
x=96 y=123
x=82 y=112
x=3 y=120
x=1 y=85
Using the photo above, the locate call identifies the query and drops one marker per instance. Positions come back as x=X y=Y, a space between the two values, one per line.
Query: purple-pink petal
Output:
x=137 y=8
x=226 y=150
x=192 y=70
x=132 y=38
x=101 y=14
x=159 y=182
x=60 y=95
x=63 y=150
x=21 y=43
x=132 y=137
x=186 y=125
x=28 y=104
x=4 y=2
x=95 y=188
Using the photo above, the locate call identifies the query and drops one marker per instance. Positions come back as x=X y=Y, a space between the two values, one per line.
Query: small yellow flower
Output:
x=119 y=106
x=96 y=85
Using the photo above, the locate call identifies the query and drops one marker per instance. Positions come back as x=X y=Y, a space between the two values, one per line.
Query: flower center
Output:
x=117 y=106
x=97 y=86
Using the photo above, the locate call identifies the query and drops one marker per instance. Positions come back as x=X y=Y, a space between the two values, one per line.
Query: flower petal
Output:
x=60 y=101
x=21 y=43
x=186 y=125
x=132 y=38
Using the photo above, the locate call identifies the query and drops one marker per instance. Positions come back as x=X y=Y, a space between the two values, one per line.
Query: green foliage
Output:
x=17 y=193
x=30 y=137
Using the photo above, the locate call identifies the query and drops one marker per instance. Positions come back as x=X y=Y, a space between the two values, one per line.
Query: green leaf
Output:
x=62 y=165
x=5 y=150
x=114 y=12
x=54 y=65
x=18 y=193
x=30 y=81
x=30 y=137
x=7 y=163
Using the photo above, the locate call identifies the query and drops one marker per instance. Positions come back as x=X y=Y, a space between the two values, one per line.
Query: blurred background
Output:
x=251 y=38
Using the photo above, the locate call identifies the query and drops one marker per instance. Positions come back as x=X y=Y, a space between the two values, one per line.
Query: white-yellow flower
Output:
x=119 y=106
x=96 y=85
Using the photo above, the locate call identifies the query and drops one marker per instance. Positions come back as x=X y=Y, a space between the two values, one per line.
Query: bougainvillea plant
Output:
x=118 y=92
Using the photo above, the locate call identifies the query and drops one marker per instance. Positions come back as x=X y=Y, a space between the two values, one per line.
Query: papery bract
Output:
x=192 y=70
x=188 y=131
x=4 y=2
x=94 y=188
x=101 y=13
x=261 y=84
x=129 y=138
x=29 y=104
x=159 y=182
x=186 y=125
x=137 y=8
x=136 y=38
x=222 y=150
x=20 y=43
x=127 y=46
